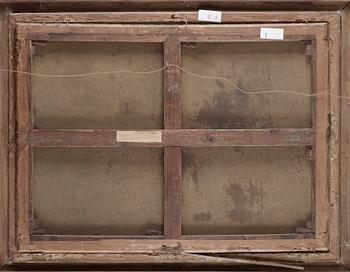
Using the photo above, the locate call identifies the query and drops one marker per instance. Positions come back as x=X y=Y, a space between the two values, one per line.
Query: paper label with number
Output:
x=271 y=33
x=209 y=16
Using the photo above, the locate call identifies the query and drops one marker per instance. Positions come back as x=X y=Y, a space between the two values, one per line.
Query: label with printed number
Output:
x=209 y=16
x=271 y=33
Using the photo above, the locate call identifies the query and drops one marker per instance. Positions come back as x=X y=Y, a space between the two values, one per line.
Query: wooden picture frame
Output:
x=322 y=30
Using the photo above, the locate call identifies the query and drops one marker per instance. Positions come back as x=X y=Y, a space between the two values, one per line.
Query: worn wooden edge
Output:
x=334 y=136
x=174 y=137
x=12 y=141
x=166 y=262
x=313 y=53
x=23 y=123
x=345 y=141
x=181 y=260
x=98 y=5
x=321 y=168
x=233 y=266
x=156 y=258
x=181 y=245
x=317 y=258
x=4 y=143
x=52 y=237
x=171 y=17
x=158 y=33
x=310 y=258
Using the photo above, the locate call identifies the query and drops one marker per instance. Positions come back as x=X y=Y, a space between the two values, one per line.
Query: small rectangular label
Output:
x=271 y=33
x=139 y=136
x=209 y=16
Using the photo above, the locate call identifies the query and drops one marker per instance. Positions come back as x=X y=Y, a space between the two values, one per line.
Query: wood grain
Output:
x=179 y=245
x=321 y=144
x=179 y=17
x=177 y=137
x=118 y=5
x=315 y=260
x=172 y=155
x=4 y=62
x=345 y=141
x=334 y=58
x=158 y=33
x=23 y=170
x=172 y=192
x=12 y=140
x=48 y=237
x=167 y=258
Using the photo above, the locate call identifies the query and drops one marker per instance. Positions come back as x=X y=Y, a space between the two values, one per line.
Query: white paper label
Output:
x=271 y=33
x=209 y=16
x=139 y=136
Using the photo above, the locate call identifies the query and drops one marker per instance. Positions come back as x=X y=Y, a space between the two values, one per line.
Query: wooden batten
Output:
x=173 y=137
x=172 y=155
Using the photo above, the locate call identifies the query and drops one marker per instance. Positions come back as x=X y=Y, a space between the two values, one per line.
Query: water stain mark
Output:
x=202 y=216
x=232 y=109
x=189 y=162
x=244 y=200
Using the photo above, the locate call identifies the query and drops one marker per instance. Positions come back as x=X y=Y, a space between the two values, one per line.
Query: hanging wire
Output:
x=188 y=72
